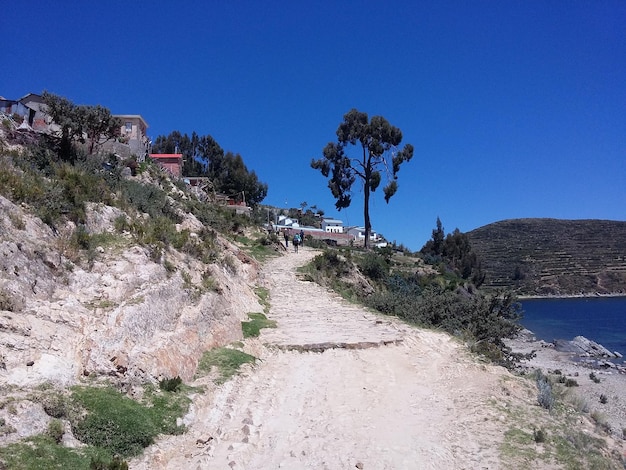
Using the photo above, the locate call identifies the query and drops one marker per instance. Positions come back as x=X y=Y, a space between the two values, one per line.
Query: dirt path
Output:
x=380 y=395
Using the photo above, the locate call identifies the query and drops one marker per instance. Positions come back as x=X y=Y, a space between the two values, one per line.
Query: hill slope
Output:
x=553 y=257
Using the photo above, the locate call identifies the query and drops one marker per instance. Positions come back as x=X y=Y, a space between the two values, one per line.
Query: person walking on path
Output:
x=286 y=234
x=296 y=242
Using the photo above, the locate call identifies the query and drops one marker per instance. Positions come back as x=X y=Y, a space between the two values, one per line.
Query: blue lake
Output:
x=602 y=320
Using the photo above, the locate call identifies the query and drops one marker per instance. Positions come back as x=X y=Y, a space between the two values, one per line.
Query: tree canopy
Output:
x=455 y=252
x=80 y=123
x=378 y=143
x=203 y=156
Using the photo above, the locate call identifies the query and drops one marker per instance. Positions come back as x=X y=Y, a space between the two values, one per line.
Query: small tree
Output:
x=99 y=125
x=438 y=237
x=378 y=141
x=456 y=252
x=80 y=123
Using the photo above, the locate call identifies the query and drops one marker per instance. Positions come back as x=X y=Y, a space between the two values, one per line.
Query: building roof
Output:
x=32 y=97
x=163 y=156
x=132 y=116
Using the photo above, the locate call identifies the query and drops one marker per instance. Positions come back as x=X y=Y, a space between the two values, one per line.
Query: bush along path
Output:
x=337 y=387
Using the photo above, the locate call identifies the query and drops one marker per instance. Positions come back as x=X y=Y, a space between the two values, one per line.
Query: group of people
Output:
x=297 y=239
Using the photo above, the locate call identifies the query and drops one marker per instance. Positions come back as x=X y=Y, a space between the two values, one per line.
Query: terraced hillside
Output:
x=552 y=256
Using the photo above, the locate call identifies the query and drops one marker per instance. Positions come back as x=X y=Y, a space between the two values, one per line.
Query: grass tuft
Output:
x=123 y=426
x=227 y=361
x=252 y=328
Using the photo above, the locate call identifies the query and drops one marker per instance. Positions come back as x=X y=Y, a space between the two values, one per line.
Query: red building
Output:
x=172 y=162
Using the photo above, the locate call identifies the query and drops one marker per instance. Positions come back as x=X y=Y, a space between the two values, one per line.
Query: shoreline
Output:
x=568 y=332
x=602 y=389
x=596 y=295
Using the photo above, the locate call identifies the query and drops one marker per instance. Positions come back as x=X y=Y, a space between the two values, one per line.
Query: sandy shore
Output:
x=612 y=383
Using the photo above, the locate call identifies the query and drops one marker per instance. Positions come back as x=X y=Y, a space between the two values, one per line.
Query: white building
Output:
x=359 y=234
x=332 y=225
x=284 y=221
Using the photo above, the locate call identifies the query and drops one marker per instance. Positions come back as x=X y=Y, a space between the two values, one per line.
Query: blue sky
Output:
x=515 y=108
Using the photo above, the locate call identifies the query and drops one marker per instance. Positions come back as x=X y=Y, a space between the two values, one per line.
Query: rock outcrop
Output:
x=121 y=315
x=584 y=347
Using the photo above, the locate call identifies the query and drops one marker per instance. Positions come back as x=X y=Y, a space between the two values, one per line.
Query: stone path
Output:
x=376 y=395
x=311 y=318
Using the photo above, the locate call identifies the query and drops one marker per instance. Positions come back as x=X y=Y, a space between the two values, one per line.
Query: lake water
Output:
x=602 y=320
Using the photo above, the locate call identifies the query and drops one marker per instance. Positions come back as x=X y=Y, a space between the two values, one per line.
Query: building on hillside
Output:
x=287 y=222
x=358 y=233
x=133 y=132
x=38 y=118
x=332 y=226
x=29 y=109
x=172 y=162
x=240 y=207
x=12 y=112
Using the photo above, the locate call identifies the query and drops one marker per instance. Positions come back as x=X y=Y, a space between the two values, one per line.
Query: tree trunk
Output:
x=366 y=216
x=366 y=202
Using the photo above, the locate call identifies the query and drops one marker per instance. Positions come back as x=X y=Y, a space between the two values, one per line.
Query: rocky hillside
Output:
x=553 y=257
x=121 y=297
x=122 y=314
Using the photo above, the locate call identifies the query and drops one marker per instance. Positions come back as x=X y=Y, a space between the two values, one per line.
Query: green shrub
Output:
x=144 y=198
x=115 y=464
x=568 y=382
x=539 y=435
x=17 y=221
x=55 y=404
x=579 y=403
x=171 y=385
x=81 y=237
x=55 y=430
x=601 y=421
x=374 y=266
x=6 y=428
x=121 y=224
x=484 y=318
x=315 y=243
x=158 y=230
x=268 y=240
x=187 y=281
x=331 y=263
x=169 y=266
x=208 y=282
x=545 y=395
x=181 y=239
x=594 y=377
x=121 y=425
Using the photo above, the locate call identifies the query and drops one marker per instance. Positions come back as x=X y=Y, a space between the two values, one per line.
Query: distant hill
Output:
x=552 y=256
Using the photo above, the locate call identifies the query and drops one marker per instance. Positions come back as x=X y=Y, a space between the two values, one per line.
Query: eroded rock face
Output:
x=29 y=258
x=125 y=316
